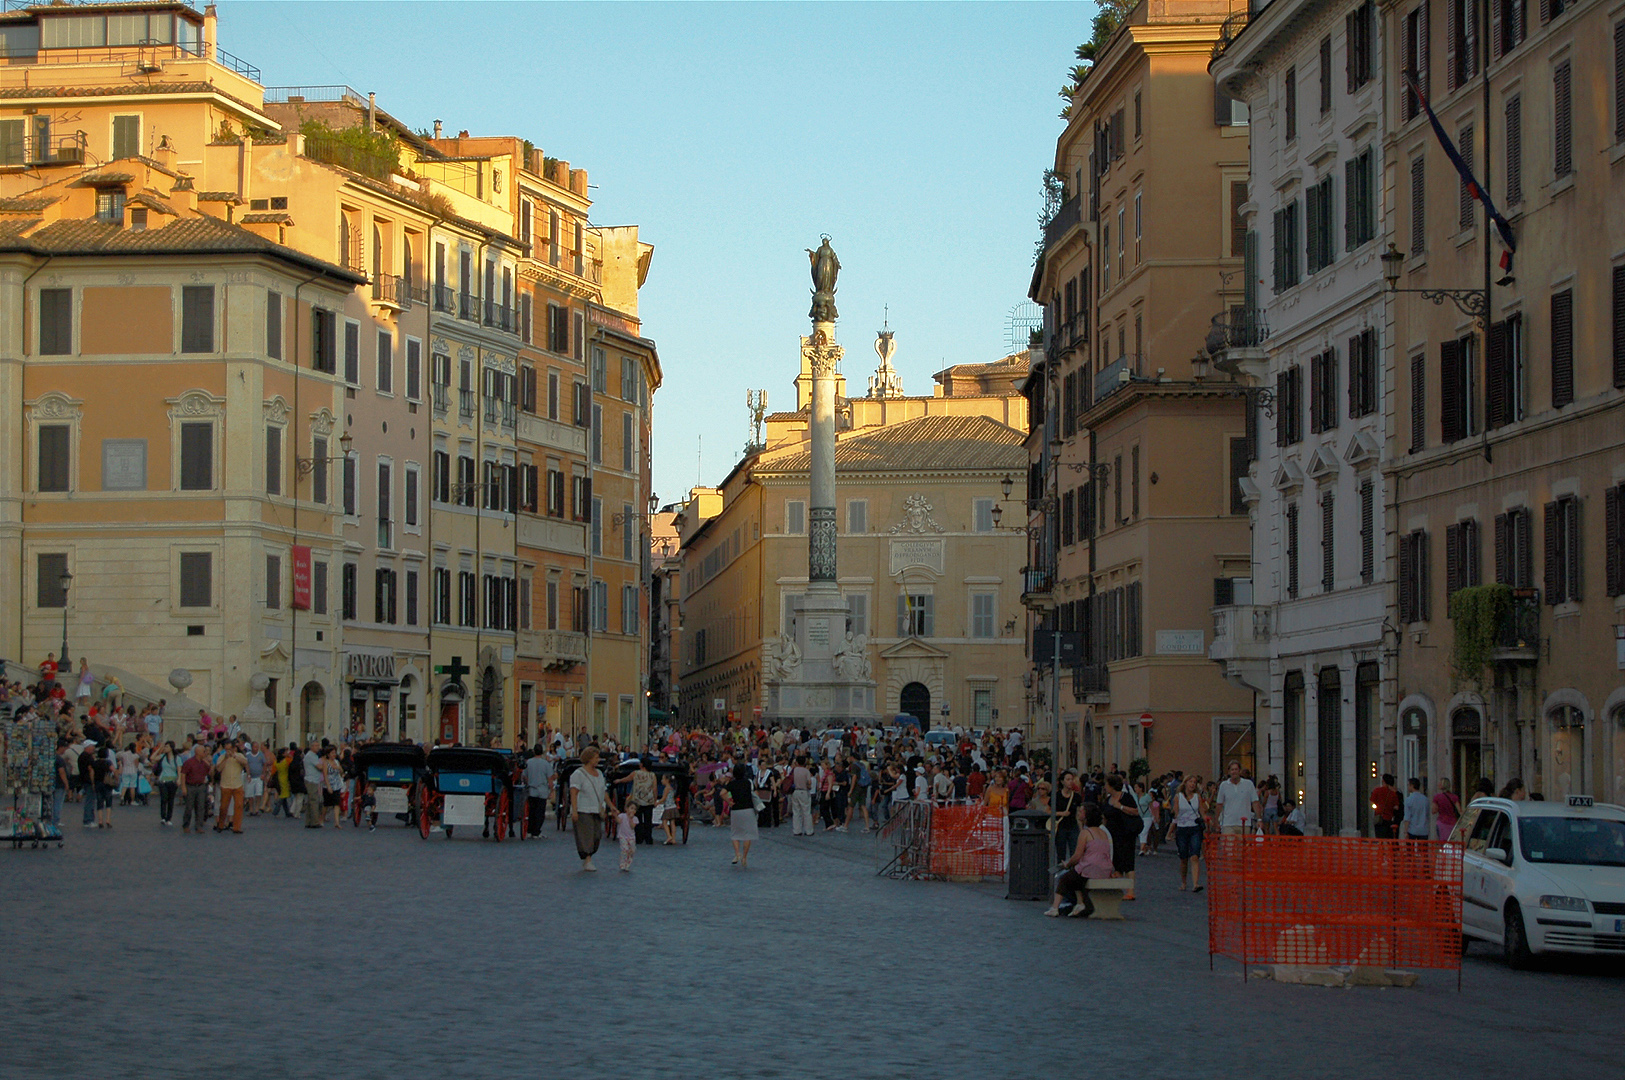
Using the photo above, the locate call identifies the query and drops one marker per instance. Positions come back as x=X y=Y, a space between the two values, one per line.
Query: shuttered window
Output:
x=55 y=322
x=1323 y=380
x=1514 y=552
x=273 y=461
x=1563 y=550
x=1419 y=219
x=1320 y=212
x=414 y=370
x=1462 y=554
x=352 y=353
x=1619 y=326
x=1289 y=104
x=1419 y=438
x=1291 y=545
x=1613 y=538
x=1368 y=531
x=1359 y=201
x=126 y=137
x=323 y=343
x=1363 y=373
x=1413 y=577
x=273 y=325
x=54 y=443
x=1466 y=217
x=1562 y=120
x=1416 y=57
x=1359 y=27
x=1452 y=391
x=1514 y=150
x=1619 y=81
x=1325 y=75
x=1289 y=406
x=1286 y=247
x=1328 y=534
x=1240 y=460
x=197 y=457
x=197 y=579
x=197 y=319
x=1563 y=348
x=273 y=582
x=347 y=591
x=48 y=590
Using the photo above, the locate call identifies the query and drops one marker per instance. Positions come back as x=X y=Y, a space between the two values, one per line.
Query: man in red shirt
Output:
x=1386 y=803
x=195 y=787
x=976 y=783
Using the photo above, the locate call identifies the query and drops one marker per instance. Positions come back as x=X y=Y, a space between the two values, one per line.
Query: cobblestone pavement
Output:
x=143 y=952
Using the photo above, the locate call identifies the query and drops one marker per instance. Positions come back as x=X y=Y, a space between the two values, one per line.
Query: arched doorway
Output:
x=1567 y=724
x=312 y=712
x=1413 y=747
x=1466 y=749
x=490 y=715
x=915 y=700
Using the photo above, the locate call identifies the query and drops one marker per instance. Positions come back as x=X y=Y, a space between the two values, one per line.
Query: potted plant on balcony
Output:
x=1477 y=612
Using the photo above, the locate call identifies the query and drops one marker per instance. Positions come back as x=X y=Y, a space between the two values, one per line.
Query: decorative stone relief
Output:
x=917 y=517
x=276 y=410
x=195 y=404
x=55 y=406
x=821 y=544
x=321 y=422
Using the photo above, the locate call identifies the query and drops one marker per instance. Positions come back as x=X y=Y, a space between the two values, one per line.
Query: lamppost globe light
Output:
x=344 y=444
x=64 y=579
x=1005 y=486
x=998 y=513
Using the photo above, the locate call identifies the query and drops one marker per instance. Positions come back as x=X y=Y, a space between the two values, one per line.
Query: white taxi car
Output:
x=1543 y=877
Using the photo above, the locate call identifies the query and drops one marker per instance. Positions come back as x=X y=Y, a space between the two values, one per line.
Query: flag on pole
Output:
x=1502 y=225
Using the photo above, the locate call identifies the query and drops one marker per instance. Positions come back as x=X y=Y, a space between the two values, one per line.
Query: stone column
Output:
x=823 y=355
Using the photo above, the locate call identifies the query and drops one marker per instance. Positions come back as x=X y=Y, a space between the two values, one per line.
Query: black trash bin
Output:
x=1027 y=875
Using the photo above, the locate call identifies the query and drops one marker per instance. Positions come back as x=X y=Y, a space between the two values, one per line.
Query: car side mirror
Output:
x=1500 y=855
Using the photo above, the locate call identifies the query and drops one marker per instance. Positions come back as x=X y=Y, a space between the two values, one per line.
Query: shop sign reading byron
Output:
x=370 y=667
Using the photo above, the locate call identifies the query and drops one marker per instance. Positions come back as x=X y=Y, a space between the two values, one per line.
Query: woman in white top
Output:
x=1190 y=821
x=587 y=806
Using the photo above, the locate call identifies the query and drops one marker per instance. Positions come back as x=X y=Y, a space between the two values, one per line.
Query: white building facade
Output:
x=1306 y=632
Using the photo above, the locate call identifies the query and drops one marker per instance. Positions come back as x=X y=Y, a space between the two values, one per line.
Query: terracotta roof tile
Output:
x=27 y=204
x=188 y=236
x=930 y=443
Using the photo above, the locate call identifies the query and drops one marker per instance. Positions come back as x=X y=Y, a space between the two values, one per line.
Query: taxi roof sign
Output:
x=1581 y=801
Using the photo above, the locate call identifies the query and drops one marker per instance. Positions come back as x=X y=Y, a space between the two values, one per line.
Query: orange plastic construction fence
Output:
x=967 y=841
x=1334 y=901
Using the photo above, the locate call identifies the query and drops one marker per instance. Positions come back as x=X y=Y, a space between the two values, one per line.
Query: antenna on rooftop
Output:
x=756 y=402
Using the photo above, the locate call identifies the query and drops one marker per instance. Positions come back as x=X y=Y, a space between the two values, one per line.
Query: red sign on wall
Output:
x=301 y=577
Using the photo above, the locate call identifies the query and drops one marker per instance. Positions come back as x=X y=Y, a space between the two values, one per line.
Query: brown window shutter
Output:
x=1562 y=348
x=1503 y=550
x=1418 y=403
x=1471 y=571
x=1619 y=320
x=1407 y=580
x=1450 y=403
x=1514 y=149
x=1422 y=581
x=1562 y=120
x=1495 y=378
x=1545 y=12
x=1619 y=81
x=1419 y=223
x=1615 y=572
x=1423 y=66
x=1570 y=509
x=1450 y=42
x=1452 y=559
x=1554 y=578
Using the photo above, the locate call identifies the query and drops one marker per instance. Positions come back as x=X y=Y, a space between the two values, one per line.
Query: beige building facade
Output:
x=1506 y=443
x=1134 y=450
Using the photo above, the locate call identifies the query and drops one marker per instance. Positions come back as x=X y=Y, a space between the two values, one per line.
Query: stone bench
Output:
x=1107 y=896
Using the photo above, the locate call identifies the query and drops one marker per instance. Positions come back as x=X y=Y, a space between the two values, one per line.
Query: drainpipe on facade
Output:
x=293 y=612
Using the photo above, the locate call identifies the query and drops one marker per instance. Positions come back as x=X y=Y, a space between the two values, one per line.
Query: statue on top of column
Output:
x=825 y=268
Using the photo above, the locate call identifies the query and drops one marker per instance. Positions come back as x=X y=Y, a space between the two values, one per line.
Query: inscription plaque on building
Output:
x=907 y=553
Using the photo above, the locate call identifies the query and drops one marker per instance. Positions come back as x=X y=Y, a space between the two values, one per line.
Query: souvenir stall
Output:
x=28 y=759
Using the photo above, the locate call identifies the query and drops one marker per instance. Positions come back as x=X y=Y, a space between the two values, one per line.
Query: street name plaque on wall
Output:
x=1180 y=643
x=907 y=553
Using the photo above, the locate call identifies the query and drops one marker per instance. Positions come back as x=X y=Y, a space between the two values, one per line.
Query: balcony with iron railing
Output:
x=1237 y=328
x=576 y=264
x=147 y=55
x=1232 y=28
x=510 y=414
x=386 y=533
x=1517 y=635
x=1116 y=375
x=351 y=255
x=444 y=299
x=37 y=151
x=1069 y=216
x=1037 y=588
x=465 y=404
x=1091 y=683
x=500 y=316
x=492 y=408
x=468 y=307
x=442 y=398
x=393 y=290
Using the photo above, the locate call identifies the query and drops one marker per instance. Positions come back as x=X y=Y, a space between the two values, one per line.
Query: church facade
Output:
x=932 y=584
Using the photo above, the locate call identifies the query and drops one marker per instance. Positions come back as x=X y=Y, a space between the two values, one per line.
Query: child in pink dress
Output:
x=625 y=830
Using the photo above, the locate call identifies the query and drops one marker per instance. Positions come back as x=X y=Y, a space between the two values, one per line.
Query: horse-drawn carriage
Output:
x=467 y=786
x=395 y=772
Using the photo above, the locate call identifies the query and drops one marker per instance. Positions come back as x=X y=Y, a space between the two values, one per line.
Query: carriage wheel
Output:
x=502 y=816
x=355 y=811
x=685 y=828
x=423 y=815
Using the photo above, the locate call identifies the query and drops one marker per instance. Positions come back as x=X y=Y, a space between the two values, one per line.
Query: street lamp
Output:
x=65 y=579
x=307 y=465
x=1471 y=302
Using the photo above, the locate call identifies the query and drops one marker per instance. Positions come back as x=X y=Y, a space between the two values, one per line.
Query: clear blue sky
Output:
x=733 y=134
